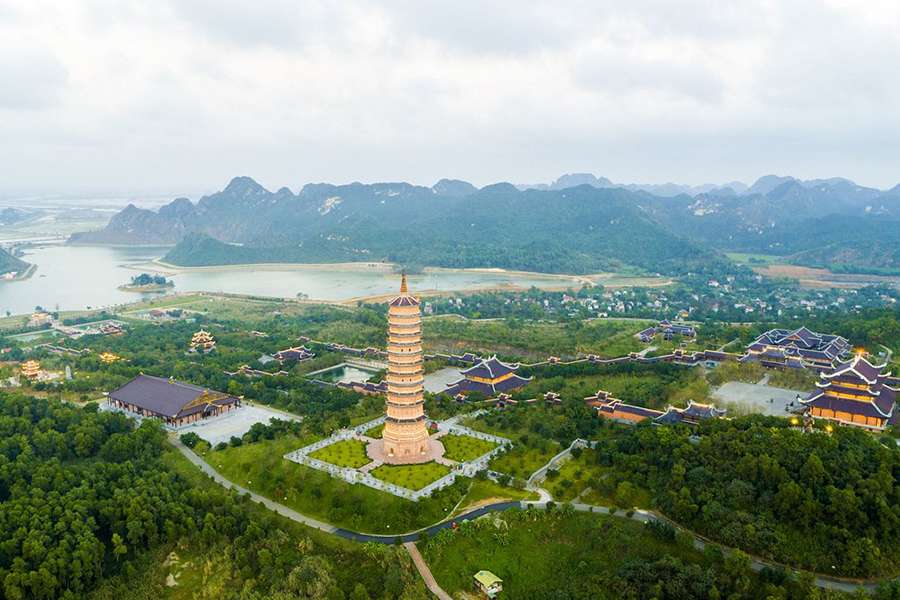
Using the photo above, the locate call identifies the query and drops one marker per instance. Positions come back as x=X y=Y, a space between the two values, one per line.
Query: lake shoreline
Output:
x=29 y=271
x=373 y=267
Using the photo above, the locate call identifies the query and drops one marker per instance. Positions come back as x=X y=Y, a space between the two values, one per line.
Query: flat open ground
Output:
x=439 y=380
x=236 y=423
x=823 y=278
x=751 y=398
x=346 y=453
x=463 y=448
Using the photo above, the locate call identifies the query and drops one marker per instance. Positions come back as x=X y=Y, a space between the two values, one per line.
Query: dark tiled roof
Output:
x=820 y=399
x=702 y=411
x=166 y=397
x=467 y=385
x=803 y=339
x=512 y=383
x=671 y=416
x=859 y=366
x=464 y=385
x=293 y=354
x=491 y=368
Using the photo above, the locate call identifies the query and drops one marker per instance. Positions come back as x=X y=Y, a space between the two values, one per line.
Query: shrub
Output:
x=190 y=439
x=661 y=530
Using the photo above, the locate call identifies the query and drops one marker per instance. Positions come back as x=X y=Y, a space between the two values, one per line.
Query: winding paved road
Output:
x=642 y=516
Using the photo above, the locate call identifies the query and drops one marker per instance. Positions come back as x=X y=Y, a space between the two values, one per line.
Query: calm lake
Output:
x=78 y=277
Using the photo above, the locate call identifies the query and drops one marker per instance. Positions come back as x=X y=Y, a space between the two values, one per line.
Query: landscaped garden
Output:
x=375 y=432
x=463 y=448
x=411 y=477
x=260 y=466
x=346 y=453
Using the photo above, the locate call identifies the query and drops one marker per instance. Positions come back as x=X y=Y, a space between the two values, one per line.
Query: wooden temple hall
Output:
x=488 y=377
x=798 y=348
x=174 y=402
x=855 y=393
x=614 y=409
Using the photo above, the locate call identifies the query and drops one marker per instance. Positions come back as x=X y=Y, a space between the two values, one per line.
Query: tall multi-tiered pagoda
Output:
x=854 y=393
x=405 y=437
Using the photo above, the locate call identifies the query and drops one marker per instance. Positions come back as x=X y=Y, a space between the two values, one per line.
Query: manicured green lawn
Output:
x=346 y=453
x=463 y=448
x=375 y=432
x=411 y=477
x=540 y=555
x=260 y=466
x=522 y=461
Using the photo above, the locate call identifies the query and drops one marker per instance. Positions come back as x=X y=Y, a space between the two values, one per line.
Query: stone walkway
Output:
x=430 y=582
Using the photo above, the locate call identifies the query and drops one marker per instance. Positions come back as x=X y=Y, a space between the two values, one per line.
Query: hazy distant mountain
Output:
x=663 y=189
x=11 y=216
x=453 y=187
x=587 y=227
x=575 y=230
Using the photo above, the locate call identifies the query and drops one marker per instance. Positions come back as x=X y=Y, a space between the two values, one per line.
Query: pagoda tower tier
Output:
x=405 y=438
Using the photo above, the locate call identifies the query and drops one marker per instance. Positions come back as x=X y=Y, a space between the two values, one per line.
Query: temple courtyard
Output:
x=355 y=455
x=754 y=398
x=235 y=423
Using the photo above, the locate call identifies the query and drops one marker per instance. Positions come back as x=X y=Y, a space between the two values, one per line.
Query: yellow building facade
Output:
x=405 y=435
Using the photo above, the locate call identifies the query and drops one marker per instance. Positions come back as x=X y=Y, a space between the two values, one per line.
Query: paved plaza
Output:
x=751 y=398
x=439 y=380
x=235 y=423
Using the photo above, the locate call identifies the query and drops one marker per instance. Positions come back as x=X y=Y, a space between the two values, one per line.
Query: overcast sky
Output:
x=178 y=96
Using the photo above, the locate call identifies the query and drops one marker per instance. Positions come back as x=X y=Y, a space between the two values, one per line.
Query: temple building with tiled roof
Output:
x=202 y=341
x=175 y=402
x=692 y=415
x=796 y=348
x=855 y=393
x=108 y=358
x=612 y=408
x=668 y=329
x=31 y=369
x=299 y=354
x=489 y=377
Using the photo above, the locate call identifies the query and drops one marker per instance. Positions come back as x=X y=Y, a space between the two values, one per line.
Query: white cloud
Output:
x=129 y=95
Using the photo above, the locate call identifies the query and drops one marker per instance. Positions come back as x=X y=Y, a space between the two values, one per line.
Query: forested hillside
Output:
x=89 y=503
x=813 y=499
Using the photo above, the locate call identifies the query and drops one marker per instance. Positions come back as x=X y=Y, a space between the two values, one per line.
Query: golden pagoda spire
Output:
x=403 y=288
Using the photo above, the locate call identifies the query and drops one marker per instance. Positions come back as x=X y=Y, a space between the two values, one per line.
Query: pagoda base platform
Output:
x=375 y=451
